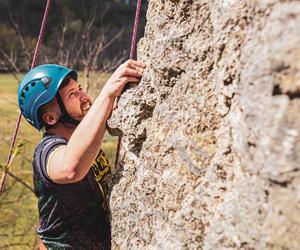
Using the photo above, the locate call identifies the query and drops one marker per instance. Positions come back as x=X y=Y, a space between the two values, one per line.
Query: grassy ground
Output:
x=18 y=205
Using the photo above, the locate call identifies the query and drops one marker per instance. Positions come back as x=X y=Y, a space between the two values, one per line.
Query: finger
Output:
x=139 y=64
x=134 y=67
x=131 y=62
x=129 y=79
x=131 y=72
x=124 y=65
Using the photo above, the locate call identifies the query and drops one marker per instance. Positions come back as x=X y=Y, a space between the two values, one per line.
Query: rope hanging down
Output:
x=34 y=60
x=132 y=50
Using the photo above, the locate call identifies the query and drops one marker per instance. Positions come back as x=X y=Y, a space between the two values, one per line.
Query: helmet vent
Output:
x=26 y=88
x=46 y=81
x=23 y=95
x=33 y=84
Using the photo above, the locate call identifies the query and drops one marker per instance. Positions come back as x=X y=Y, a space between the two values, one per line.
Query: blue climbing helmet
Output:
x=40 y=86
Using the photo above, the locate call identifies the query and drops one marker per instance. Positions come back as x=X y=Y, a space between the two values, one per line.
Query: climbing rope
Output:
x=34 y=60
x=132 y=50
x=134 y=33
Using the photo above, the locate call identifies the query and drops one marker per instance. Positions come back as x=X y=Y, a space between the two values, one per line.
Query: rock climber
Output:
x=69 y=168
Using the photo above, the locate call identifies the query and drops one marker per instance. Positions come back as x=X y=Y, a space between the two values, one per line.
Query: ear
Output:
x=50 y=117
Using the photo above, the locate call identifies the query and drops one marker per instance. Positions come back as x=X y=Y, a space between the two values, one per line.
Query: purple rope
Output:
x=132 y=50
x=136 y=23
x=38 y=45
x=34 y=60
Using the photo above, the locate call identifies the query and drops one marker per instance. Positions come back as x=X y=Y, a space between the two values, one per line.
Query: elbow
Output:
x=72 y=175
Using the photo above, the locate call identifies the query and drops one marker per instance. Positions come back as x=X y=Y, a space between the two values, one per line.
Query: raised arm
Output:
x=72 y=162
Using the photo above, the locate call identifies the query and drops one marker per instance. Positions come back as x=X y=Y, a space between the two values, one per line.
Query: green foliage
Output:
x=18 y=148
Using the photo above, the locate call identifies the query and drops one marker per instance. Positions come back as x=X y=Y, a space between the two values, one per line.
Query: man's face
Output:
x=77 y=102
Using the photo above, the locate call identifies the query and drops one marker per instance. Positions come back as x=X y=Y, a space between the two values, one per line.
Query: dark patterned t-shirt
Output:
x=72 y=216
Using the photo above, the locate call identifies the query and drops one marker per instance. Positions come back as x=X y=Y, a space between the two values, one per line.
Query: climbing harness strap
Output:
x=132 y=50
x=34 y=60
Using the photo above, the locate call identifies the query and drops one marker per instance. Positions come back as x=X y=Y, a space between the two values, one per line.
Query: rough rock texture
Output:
x=211 y=136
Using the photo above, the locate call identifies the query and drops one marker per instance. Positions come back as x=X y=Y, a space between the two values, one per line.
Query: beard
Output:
x=84 y=108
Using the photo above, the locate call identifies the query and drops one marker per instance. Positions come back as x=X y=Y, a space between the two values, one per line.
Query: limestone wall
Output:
x=211 y=136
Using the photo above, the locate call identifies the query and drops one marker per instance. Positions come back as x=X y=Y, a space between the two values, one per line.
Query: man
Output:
x=69 y=167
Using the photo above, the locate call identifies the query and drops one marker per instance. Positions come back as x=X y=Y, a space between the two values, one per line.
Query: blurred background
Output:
x=93 y=37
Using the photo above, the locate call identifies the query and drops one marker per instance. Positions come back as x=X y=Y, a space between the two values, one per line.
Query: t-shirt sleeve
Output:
x=42 y=153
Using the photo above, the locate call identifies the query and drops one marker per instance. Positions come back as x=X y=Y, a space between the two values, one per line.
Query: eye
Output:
x=80 y=87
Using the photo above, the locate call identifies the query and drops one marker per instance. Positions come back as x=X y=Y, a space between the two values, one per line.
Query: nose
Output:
x=84 y=96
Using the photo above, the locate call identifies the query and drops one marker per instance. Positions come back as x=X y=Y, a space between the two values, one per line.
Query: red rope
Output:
x=34 y=60
x=38 y=45
x=134 y=34
x=132 y=50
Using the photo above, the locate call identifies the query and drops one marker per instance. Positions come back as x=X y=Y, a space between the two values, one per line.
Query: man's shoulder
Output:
x=41 y=154
x=48 y=143
x=51 y=140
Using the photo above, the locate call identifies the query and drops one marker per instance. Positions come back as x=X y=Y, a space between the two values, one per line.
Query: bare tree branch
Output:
x=15 y=26
x=12 y=63
x=19 y=180
x=110 y=65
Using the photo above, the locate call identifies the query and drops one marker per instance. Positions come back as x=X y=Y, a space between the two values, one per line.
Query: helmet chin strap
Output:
x=65 y=117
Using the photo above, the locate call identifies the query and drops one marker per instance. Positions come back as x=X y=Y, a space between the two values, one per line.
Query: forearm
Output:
x=85 y=142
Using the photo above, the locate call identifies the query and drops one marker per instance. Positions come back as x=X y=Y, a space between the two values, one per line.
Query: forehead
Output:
x=66 y=87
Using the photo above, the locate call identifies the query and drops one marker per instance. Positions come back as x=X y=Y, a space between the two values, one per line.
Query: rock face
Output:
x=211 y=136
